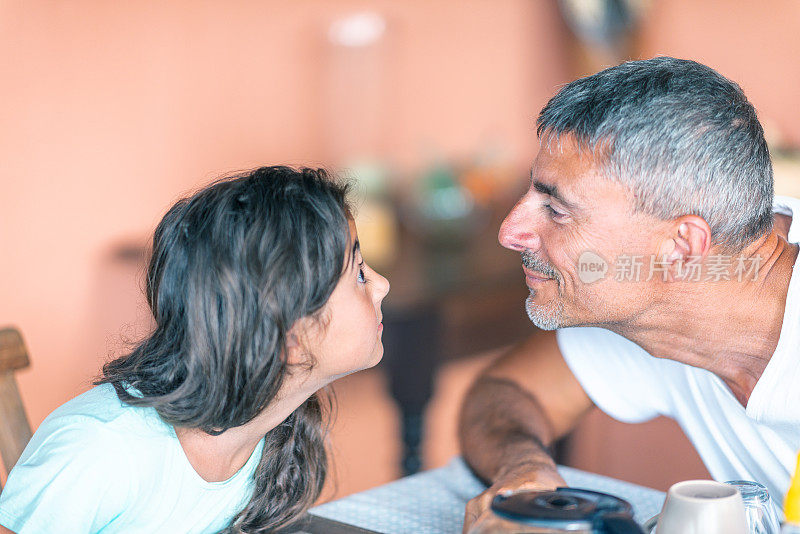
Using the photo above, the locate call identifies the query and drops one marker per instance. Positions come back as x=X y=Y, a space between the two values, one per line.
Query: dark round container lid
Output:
x=563 y=508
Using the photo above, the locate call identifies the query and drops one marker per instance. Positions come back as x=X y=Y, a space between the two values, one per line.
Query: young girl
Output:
x=260 y=298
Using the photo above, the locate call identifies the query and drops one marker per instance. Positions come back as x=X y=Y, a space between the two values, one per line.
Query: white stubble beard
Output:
x=544 y=317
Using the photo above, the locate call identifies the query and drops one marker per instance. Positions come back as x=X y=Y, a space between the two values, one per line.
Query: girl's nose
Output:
x=382 y=286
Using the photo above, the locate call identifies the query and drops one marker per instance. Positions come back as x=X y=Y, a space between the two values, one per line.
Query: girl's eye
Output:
x=362 y=278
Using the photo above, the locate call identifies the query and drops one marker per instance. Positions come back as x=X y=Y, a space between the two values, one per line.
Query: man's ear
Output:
x=689 y=239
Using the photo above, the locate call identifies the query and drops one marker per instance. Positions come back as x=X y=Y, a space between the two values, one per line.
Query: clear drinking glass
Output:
x=762 y=516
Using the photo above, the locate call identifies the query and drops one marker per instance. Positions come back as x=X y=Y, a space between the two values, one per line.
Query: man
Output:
x=650 y=224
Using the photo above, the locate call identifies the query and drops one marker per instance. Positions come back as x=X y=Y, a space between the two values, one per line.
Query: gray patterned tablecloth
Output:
x=433 y=502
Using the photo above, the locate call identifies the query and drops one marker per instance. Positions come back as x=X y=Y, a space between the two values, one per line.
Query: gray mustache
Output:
x=530 y=261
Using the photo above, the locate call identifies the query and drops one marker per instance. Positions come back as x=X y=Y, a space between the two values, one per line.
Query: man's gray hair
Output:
x=682 y=137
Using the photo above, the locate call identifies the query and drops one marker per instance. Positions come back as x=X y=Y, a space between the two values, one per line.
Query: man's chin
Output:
x=549 y=316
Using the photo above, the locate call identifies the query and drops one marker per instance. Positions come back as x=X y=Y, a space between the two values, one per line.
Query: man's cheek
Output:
x=566 y=266
x=581 y=265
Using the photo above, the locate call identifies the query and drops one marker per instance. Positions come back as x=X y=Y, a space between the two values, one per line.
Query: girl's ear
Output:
x=294 y=348
x=297 y=341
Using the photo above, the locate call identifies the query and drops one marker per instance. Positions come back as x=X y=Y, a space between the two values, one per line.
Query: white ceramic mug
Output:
x=702 y=507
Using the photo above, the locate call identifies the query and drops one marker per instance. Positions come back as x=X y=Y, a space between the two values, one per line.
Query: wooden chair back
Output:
x=15 y=432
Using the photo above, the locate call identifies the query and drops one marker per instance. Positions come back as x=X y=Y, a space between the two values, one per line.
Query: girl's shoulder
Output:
x=89 y=427
x=84 y=465
x=75 y=471
x=100 y=411
x=99 y=428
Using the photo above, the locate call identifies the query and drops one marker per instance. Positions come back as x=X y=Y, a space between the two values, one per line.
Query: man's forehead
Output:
x=564 y=159
x=567 y=174
x=578 y=178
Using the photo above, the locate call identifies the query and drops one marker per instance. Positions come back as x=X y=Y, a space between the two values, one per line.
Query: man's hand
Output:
x=513 y=412
x=528 y=478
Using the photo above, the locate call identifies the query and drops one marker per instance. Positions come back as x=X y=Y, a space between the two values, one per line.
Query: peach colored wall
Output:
x=111 y=110
x=756 y=44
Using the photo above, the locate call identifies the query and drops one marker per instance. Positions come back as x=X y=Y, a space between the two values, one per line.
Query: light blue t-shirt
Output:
x=98 y=465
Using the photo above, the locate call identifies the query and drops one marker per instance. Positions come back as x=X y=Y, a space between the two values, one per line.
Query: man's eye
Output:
x=362 y=278
x=553 y=213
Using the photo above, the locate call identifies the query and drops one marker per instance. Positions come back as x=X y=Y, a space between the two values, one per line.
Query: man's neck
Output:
x=729 y=327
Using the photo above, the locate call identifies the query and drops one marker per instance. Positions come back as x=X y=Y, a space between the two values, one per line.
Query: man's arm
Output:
x=517 y=408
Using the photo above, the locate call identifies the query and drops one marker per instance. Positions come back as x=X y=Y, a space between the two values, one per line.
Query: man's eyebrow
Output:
x=552 y=191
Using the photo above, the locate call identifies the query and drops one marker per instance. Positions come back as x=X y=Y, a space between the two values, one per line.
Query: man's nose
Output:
x=518 y=231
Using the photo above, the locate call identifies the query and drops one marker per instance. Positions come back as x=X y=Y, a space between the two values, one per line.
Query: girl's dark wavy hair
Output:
x=232 y=268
